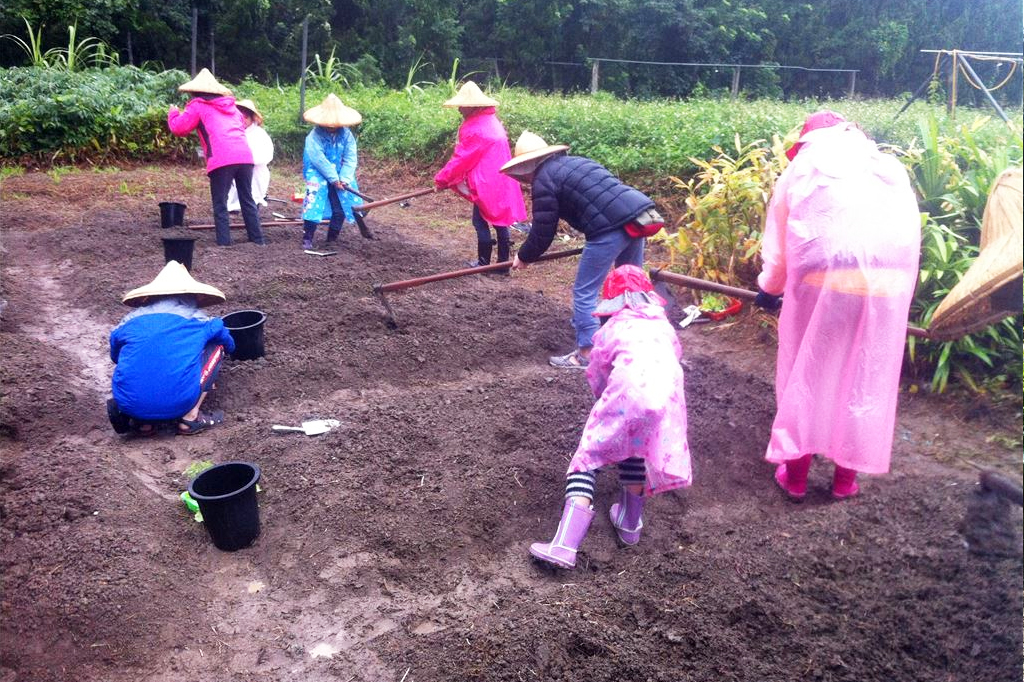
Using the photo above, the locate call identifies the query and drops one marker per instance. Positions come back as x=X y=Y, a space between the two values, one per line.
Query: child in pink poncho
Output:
x=473 y=172
x=638 y=421
x=842 y=240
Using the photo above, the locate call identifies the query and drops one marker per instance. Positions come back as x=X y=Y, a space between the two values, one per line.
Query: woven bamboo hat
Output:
x=991 y=288
x=204 y=82
x=530 y=147
x=174 y=279
x=250 y=106
x=331 y=113
x=470 y=95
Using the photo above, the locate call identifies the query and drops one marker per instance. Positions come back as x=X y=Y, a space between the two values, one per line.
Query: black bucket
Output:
x=179 y=249
x=226 y=494
x=246 y=327
x=172 y=213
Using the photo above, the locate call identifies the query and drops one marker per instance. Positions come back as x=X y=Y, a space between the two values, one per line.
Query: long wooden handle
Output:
x=493 y=267
x=362 y=208
x=742 y=294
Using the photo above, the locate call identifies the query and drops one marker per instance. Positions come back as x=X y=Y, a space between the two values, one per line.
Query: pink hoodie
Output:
x=474 y=169
x=220 y=127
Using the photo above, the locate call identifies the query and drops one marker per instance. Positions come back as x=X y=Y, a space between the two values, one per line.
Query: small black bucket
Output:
x=226 y=494
x=179 y=249
x=246 y=327
x=172 y=214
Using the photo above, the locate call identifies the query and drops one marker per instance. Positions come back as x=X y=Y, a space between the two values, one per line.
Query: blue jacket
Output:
x=159 y=354
x=584 y=194
x=329 y=156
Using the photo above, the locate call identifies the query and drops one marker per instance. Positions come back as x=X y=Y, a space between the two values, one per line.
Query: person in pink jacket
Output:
x=474 y=172
x=221 y=130
x=841 y=246
x=638 y=421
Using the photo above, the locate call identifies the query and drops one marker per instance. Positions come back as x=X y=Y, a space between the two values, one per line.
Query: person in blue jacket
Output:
x=168 y=354
x=613 y=217
x=329 y=161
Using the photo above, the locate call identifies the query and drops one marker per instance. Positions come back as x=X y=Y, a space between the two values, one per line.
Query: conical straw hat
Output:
x=991 y=288
x=204 y=82
x=469 y=95
x=249 y=105
x=530 y=147
x=174 y=279
x=331 y=113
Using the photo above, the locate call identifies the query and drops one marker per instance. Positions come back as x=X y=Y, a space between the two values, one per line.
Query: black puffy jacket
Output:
x=584 y=194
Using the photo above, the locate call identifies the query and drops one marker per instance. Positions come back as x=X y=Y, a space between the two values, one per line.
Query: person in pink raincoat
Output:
x=221 y=130
x=841 y=246
x=473 y=172
x=638 y=421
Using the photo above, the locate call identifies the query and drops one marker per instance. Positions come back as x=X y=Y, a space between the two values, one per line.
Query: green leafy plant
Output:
x=719 y=234
x=413 y=86
x=196 y=468
x=331 y=71
x=33 y=48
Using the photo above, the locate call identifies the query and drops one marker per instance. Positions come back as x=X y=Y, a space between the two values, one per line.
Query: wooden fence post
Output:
x=853 y=83
x=951 y=105
x=302 y=75
x=497 y=74
x=195 y=29
x=594 y=71
x=735 y=82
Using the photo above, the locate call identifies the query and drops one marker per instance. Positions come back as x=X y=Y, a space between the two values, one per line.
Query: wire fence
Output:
x=635 y=78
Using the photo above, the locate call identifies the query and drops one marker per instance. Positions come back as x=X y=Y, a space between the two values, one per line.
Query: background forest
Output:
x=545 y=43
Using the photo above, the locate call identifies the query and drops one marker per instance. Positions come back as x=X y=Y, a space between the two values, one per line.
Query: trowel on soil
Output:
x=313 y=427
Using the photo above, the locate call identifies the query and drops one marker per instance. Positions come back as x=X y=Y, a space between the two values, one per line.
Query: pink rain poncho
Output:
x=474 y=169
x=640 y=411
x=842 y=241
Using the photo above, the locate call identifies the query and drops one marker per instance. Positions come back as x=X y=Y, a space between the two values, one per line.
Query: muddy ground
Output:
x=394 y=548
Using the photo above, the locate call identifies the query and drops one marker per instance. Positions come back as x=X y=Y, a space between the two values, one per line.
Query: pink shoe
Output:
x=572 y=528
x=792 y=477
x=625 y=515
x=844 y=483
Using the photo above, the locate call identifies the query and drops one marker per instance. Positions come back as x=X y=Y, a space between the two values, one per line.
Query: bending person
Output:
x=842 y=241
x=613 y=217
x=329 y=161
x=168 y=354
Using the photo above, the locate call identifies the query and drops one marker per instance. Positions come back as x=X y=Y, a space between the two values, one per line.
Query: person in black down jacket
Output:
x=613 y=217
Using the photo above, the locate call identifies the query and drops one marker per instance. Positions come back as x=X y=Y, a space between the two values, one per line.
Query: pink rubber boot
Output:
x=792 y=476
x=625 y=515
x=844 y=483
x=573 y=527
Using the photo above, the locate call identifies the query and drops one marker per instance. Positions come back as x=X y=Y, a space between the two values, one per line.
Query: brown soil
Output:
x=394 y=548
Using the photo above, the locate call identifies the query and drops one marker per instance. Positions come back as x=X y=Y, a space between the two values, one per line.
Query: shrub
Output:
x=95 y=113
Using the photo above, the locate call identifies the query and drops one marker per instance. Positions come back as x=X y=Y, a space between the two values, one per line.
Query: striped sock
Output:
x=581 y=484
x=632 y=471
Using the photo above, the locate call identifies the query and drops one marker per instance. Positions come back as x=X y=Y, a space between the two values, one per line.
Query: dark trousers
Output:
x=483 y=239
x=220 y=183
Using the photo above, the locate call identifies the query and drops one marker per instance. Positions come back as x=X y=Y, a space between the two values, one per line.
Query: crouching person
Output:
x=638 y=422
x=168 y=354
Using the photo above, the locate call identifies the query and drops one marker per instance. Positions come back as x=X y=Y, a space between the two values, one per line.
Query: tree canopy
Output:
x=544 y=43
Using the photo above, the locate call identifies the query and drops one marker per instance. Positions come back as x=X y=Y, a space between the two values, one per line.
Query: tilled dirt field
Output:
x=394 y=548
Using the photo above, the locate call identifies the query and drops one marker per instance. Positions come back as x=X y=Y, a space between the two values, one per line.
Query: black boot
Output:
x=504 y=248
x=483 y=254
x=332 y=233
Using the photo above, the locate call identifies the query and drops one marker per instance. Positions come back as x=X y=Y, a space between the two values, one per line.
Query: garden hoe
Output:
x=314 y=427
x=659 y=275
x=359 y=212
x=380 y=289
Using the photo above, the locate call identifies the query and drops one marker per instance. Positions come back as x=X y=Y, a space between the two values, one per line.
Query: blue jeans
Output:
x=599 y=255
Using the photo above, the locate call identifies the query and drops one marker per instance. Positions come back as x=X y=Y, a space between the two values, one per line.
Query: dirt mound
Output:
x=394 y=547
